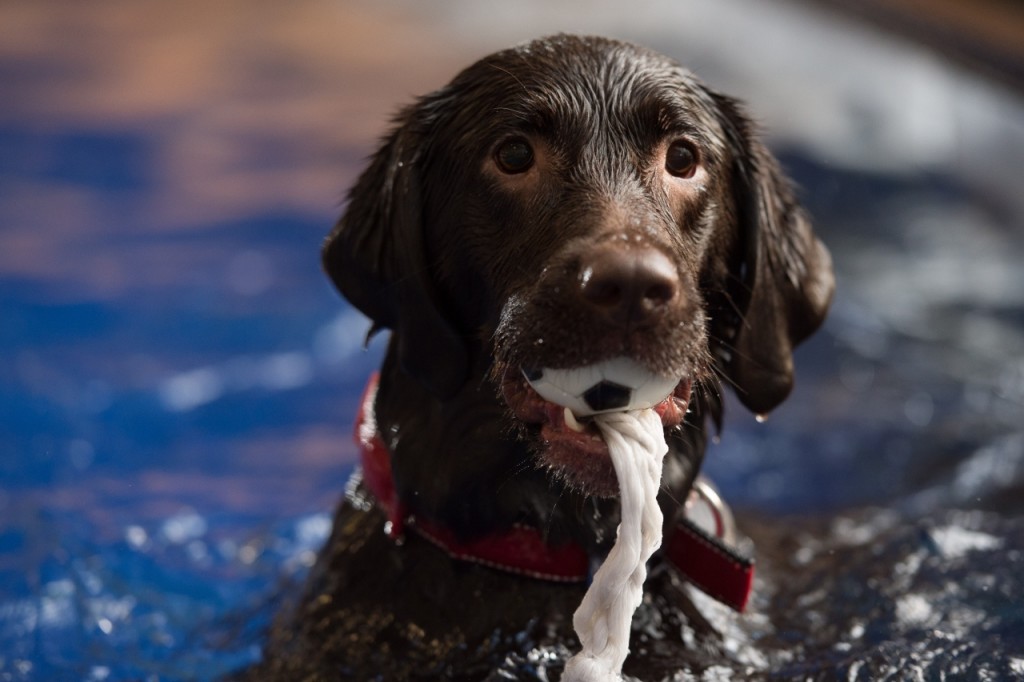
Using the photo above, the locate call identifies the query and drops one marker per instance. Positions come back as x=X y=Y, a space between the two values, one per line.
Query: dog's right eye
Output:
x=514 y=156
x=681 y=159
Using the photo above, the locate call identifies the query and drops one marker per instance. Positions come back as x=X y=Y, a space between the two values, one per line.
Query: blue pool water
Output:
x=169 y=455
x=178 y=379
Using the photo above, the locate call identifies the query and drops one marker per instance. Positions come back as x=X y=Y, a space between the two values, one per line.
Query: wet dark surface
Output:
x=178 y=380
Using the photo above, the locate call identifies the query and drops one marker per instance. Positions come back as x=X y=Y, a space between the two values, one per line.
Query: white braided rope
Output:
x=636 y=441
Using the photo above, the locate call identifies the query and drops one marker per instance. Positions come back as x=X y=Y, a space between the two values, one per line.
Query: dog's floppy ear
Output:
x=782 y=279
x=376 y=258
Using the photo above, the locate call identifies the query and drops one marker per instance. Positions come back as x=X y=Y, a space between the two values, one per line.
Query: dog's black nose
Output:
x=629 y=285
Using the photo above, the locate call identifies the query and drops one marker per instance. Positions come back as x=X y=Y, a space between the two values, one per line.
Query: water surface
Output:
x=178 y=379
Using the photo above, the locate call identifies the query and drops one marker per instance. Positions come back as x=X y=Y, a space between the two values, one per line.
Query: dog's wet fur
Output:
x=559 y=203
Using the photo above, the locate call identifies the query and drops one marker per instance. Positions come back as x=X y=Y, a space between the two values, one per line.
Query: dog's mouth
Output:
x=571 y=446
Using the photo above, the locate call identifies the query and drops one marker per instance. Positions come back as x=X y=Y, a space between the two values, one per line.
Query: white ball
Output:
x=614 y=385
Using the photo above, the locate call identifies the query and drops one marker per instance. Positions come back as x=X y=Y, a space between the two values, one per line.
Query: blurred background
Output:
x=178 y=379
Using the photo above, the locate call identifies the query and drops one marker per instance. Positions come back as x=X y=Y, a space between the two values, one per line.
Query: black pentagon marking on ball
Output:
x=607 y=395
x=532 y=374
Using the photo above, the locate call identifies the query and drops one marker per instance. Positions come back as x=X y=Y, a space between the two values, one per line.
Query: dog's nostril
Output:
x=628 y=285
x=660 y=293
x=601 y=288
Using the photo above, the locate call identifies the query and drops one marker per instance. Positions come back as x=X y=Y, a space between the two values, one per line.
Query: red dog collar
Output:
x=702 y=557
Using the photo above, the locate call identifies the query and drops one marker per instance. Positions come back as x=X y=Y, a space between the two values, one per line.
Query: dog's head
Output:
x=574 y=200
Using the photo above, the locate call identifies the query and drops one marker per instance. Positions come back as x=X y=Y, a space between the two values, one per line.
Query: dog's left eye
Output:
x=681 y=159
x=514 y=156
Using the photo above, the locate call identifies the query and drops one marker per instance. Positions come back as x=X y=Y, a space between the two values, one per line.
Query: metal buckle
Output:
x=706 y=509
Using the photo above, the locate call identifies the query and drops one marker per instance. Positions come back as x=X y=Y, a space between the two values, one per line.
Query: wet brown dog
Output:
x=557 y=204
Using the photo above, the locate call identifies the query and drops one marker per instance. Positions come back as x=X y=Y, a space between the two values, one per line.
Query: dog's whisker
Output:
x=552 y=513
x=515 y=471
x=667 y=489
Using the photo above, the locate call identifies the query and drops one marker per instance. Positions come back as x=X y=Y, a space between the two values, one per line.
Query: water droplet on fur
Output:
x=761 y=418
